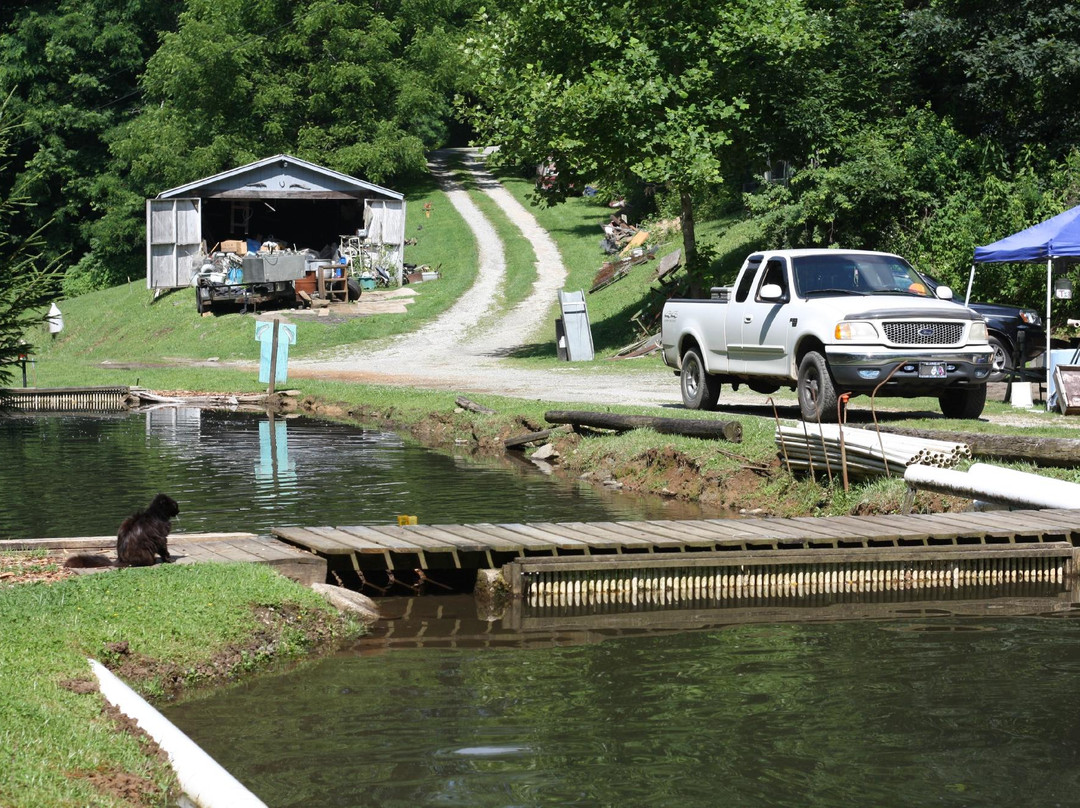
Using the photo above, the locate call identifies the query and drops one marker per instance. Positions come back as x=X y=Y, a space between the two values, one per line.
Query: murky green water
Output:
x=80 y=475
x=922 y=709
x=911 y=705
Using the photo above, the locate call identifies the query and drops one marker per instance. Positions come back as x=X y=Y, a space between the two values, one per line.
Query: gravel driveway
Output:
x=464 y=348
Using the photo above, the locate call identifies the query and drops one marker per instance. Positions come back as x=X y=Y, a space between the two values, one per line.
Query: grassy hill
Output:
x=105 y=331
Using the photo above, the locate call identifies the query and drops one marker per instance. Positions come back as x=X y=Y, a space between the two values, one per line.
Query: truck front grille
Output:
x=914 y=333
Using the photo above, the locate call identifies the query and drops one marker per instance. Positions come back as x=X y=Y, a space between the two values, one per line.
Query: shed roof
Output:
x=280 y=176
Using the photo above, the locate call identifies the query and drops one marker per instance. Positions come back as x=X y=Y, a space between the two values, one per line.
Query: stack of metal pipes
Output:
x=835 y=449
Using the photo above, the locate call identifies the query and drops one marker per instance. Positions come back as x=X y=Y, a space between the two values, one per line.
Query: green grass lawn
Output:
x=55 y=742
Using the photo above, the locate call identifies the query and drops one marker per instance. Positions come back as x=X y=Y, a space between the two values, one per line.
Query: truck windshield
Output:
x=856 y=273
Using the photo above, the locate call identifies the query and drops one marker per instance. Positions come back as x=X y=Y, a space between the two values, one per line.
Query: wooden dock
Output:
x=488 y=546
x=192 y=548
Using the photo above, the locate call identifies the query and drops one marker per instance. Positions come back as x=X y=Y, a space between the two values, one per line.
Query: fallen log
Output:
x=1059 y=452
x=531 y=437
x=472 y=406
x=688 y=427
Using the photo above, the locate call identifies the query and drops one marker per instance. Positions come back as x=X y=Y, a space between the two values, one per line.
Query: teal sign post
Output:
x=275 y=338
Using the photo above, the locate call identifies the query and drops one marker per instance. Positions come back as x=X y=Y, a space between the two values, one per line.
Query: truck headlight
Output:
x=855 y=331
x=1030 y=316
x=978 y=331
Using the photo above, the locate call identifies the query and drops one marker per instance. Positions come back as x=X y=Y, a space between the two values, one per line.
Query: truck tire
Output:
x=354 y=289
x=700 y=389
x=963 y=402
x=1002 y=359
x=817 y=391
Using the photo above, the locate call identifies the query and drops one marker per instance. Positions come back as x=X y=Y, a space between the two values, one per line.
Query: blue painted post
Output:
x=275 y=339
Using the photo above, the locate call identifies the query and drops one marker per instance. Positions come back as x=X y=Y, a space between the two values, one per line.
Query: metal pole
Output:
x=1049 y=284
x=971 y=280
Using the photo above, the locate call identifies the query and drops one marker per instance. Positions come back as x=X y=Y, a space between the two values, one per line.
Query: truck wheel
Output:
x=964 y=402
x=817 y=392
x=201 y=305
x=700 y=389
x=1002 y=360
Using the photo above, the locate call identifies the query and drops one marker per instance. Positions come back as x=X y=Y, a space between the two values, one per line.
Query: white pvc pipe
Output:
x=1016 y=489
x=201 y=778
x=1003 y=478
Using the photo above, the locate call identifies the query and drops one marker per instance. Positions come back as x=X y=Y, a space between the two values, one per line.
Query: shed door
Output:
x=384 y=220
x=173 y=241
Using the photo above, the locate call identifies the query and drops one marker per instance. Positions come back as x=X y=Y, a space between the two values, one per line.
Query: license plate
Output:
x=932 y=370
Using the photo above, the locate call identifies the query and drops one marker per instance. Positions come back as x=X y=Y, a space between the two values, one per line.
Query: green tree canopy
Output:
x=641 y=89
x=28 y=281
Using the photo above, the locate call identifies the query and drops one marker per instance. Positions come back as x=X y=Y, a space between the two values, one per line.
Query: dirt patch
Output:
x=29 y=567
x=132 y=789
x=312 y=630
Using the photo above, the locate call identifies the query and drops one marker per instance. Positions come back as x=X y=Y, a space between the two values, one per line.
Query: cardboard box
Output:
x=238 y=246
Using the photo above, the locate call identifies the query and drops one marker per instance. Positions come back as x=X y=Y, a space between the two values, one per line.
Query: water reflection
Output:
x=447 y=707
x=79 y=475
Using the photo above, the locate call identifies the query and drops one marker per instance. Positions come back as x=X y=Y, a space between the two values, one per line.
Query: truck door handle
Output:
x=748 y=318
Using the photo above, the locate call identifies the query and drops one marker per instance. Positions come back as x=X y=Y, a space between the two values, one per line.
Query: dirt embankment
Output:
x=748 y=485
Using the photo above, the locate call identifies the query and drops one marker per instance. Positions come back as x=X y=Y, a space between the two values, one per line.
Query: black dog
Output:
x=142 y=537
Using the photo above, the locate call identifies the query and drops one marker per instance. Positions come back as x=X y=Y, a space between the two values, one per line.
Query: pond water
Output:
x=80 y=475
x=953 y=704
x=444 y=708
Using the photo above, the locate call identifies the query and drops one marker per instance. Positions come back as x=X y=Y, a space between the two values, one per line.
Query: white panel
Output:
x=173 y=241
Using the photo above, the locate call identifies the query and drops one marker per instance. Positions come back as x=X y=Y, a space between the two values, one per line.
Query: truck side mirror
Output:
x=944 y=292
x=770 y=291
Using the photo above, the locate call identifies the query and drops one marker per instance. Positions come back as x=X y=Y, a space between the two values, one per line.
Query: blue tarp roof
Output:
x=1059 y=236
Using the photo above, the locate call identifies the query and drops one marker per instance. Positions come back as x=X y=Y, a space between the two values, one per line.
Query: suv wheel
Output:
x=1002 y=359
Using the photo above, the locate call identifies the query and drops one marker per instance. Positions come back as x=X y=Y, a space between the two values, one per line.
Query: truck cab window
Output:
x=775 y=274
x=746 y=282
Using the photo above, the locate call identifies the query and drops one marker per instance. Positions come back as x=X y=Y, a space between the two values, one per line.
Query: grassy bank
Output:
x=161 y=629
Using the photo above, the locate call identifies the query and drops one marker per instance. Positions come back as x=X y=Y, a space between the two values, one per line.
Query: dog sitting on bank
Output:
x=142 y=538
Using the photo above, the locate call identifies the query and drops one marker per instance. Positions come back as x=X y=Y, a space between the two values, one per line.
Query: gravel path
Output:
x=463 y=349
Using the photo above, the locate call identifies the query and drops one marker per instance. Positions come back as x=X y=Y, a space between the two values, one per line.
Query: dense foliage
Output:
x=28 y=280
x=921 y=126
x=185 y=90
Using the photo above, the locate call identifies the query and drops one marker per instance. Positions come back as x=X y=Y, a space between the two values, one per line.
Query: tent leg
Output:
x=1049 y=285
x=971 y=280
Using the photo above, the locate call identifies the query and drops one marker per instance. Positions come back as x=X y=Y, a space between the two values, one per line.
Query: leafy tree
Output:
x=361 y=86
x=640 y=89
x=1006 y=70
x=71 y=69
x=28 y=281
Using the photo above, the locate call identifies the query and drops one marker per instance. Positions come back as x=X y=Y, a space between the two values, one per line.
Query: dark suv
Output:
x=1006 y=324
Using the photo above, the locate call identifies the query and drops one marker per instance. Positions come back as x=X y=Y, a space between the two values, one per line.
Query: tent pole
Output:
x=971 y=280
x=1049 y=285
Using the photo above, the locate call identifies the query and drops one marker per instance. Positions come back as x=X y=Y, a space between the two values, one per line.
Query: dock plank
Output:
x=385 y=541
x=546 y=539
x=493 y=540
x=308 y=537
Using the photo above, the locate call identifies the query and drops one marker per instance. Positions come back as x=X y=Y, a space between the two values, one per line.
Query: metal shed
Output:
x=291 y=200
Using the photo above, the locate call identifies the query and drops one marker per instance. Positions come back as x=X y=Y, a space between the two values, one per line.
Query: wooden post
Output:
x=273 y=358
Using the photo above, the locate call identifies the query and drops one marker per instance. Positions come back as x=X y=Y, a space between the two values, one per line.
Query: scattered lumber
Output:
x=1048 y=452
x=472 y=406
x=688 y=427
x=832 y=448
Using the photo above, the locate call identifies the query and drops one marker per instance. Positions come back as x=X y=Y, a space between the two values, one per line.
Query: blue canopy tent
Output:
x=1058 y=237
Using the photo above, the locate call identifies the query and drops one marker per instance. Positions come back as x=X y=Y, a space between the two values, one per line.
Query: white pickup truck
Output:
x=829 y=322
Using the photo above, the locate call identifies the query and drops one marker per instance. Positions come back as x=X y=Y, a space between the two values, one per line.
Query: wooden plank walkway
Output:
x=486 y=545
x=302 y=566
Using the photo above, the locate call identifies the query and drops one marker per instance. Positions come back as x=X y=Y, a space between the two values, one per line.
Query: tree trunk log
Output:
x=1060 y=452
x=472 y=406
x=689 y=427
